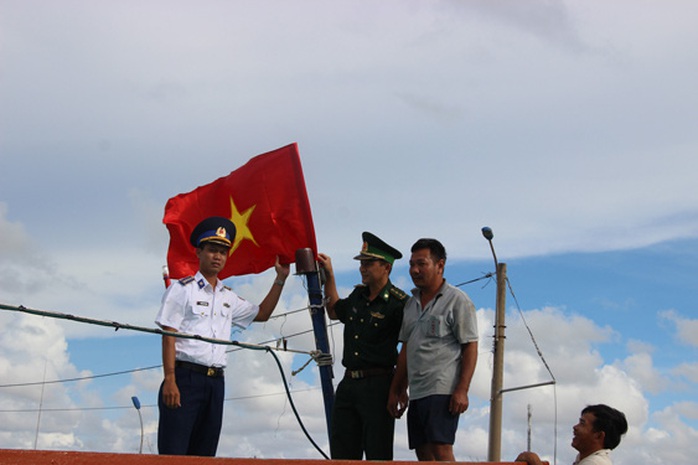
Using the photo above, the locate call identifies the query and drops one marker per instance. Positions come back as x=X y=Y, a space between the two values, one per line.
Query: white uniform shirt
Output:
x=600 y=457
x=191 y=306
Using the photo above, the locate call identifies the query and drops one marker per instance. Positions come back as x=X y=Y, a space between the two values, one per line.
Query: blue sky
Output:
x=568 y=127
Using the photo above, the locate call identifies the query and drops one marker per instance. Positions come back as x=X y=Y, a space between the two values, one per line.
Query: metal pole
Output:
x=307 y=266
x=495 y=440
x=528 y=438
x=137 y=404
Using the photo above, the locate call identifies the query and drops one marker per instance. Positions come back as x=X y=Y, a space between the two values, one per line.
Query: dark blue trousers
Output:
x=195 y=427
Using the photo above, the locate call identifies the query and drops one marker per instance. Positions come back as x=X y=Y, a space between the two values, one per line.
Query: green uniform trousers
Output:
x=360 y=420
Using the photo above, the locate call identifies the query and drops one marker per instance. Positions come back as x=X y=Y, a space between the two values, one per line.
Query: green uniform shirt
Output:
x=371 y=328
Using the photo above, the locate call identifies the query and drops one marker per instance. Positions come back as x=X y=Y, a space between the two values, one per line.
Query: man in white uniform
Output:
x=191 y=395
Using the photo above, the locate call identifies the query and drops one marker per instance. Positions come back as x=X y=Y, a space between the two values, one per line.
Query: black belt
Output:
x=367 y=373
x=214 y=372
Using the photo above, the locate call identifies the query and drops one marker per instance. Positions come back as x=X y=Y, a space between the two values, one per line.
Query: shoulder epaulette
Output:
x=399 y=293
x=185 y=281
x=227 y=288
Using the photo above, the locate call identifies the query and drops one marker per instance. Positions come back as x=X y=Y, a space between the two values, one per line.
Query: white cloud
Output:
x=686 y=328
x=688 y=371
x=564 y=126
x=673 y=441
x=257 y=407
x=640 y=367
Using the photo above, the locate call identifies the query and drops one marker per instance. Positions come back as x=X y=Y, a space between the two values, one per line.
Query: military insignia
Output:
x=226 y=304
x=220 y=232
x=364 y=247
x=399 y=293
x=378 y=315
x=186 y=280
x=201 y=284
x=202 y=303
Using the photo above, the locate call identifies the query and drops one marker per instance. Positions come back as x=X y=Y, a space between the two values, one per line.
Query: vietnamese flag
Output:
x=267 y=201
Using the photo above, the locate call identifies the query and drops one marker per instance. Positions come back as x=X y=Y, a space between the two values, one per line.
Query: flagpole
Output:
x=307 y=266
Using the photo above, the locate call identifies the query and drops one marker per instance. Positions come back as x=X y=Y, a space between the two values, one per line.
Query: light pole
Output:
x=495 y=436
x=137 y=404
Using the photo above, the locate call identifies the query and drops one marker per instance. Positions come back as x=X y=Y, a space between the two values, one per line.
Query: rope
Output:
x=320 y=359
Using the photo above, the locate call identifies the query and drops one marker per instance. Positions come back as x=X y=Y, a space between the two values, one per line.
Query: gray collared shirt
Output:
x=434 y=336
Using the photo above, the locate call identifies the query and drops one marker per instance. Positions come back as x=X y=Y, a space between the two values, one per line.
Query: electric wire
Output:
x=545 y=363
x=320 y=358
x=487 y=233
x=290 y=312
x=485 y=276
x=145 y=406
x=293 y=405
x=81 y=378
x=118 y=326
x=136 y=370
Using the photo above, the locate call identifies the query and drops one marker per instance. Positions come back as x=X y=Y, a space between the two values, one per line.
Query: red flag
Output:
x=267 y=201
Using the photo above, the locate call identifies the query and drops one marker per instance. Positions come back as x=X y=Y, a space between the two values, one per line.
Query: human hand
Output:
x=170 y=394
x=397 y=403
x=459 y=402
x=325 y=262
x=282 y=270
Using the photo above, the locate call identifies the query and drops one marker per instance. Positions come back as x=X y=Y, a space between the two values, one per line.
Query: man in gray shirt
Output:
x=439 y=351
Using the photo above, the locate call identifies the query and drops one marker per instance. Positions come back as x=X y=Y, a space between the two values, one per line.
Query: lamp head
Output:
x=487 y=232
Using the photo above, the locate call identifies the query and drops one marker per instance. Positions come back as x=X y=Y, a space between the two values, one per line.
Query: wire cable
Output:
x=118 y=326
x=485 y=276
x=545 y=363
x=289 y=396
x=144 y=406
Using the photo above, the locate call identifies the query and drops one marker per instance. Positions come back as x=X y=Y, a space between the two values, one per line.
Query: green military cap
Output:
x=375 y=249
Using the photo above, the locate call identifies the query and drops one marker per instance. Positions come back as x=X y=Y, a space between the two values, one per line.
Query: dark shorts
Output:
x=430 y=422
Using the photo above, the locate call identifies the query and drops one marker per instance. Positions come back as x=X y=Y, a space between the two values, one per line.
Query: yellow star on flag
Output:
x=242 y=229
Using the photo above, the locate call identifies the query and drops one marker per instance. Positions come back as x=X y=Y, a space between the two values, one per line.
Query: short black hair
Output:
x=609 y=420
x=436 y=248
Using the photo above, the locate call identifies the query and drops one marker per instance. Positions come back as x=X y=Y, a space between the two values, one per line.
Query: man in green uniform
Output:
x=372 y=315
